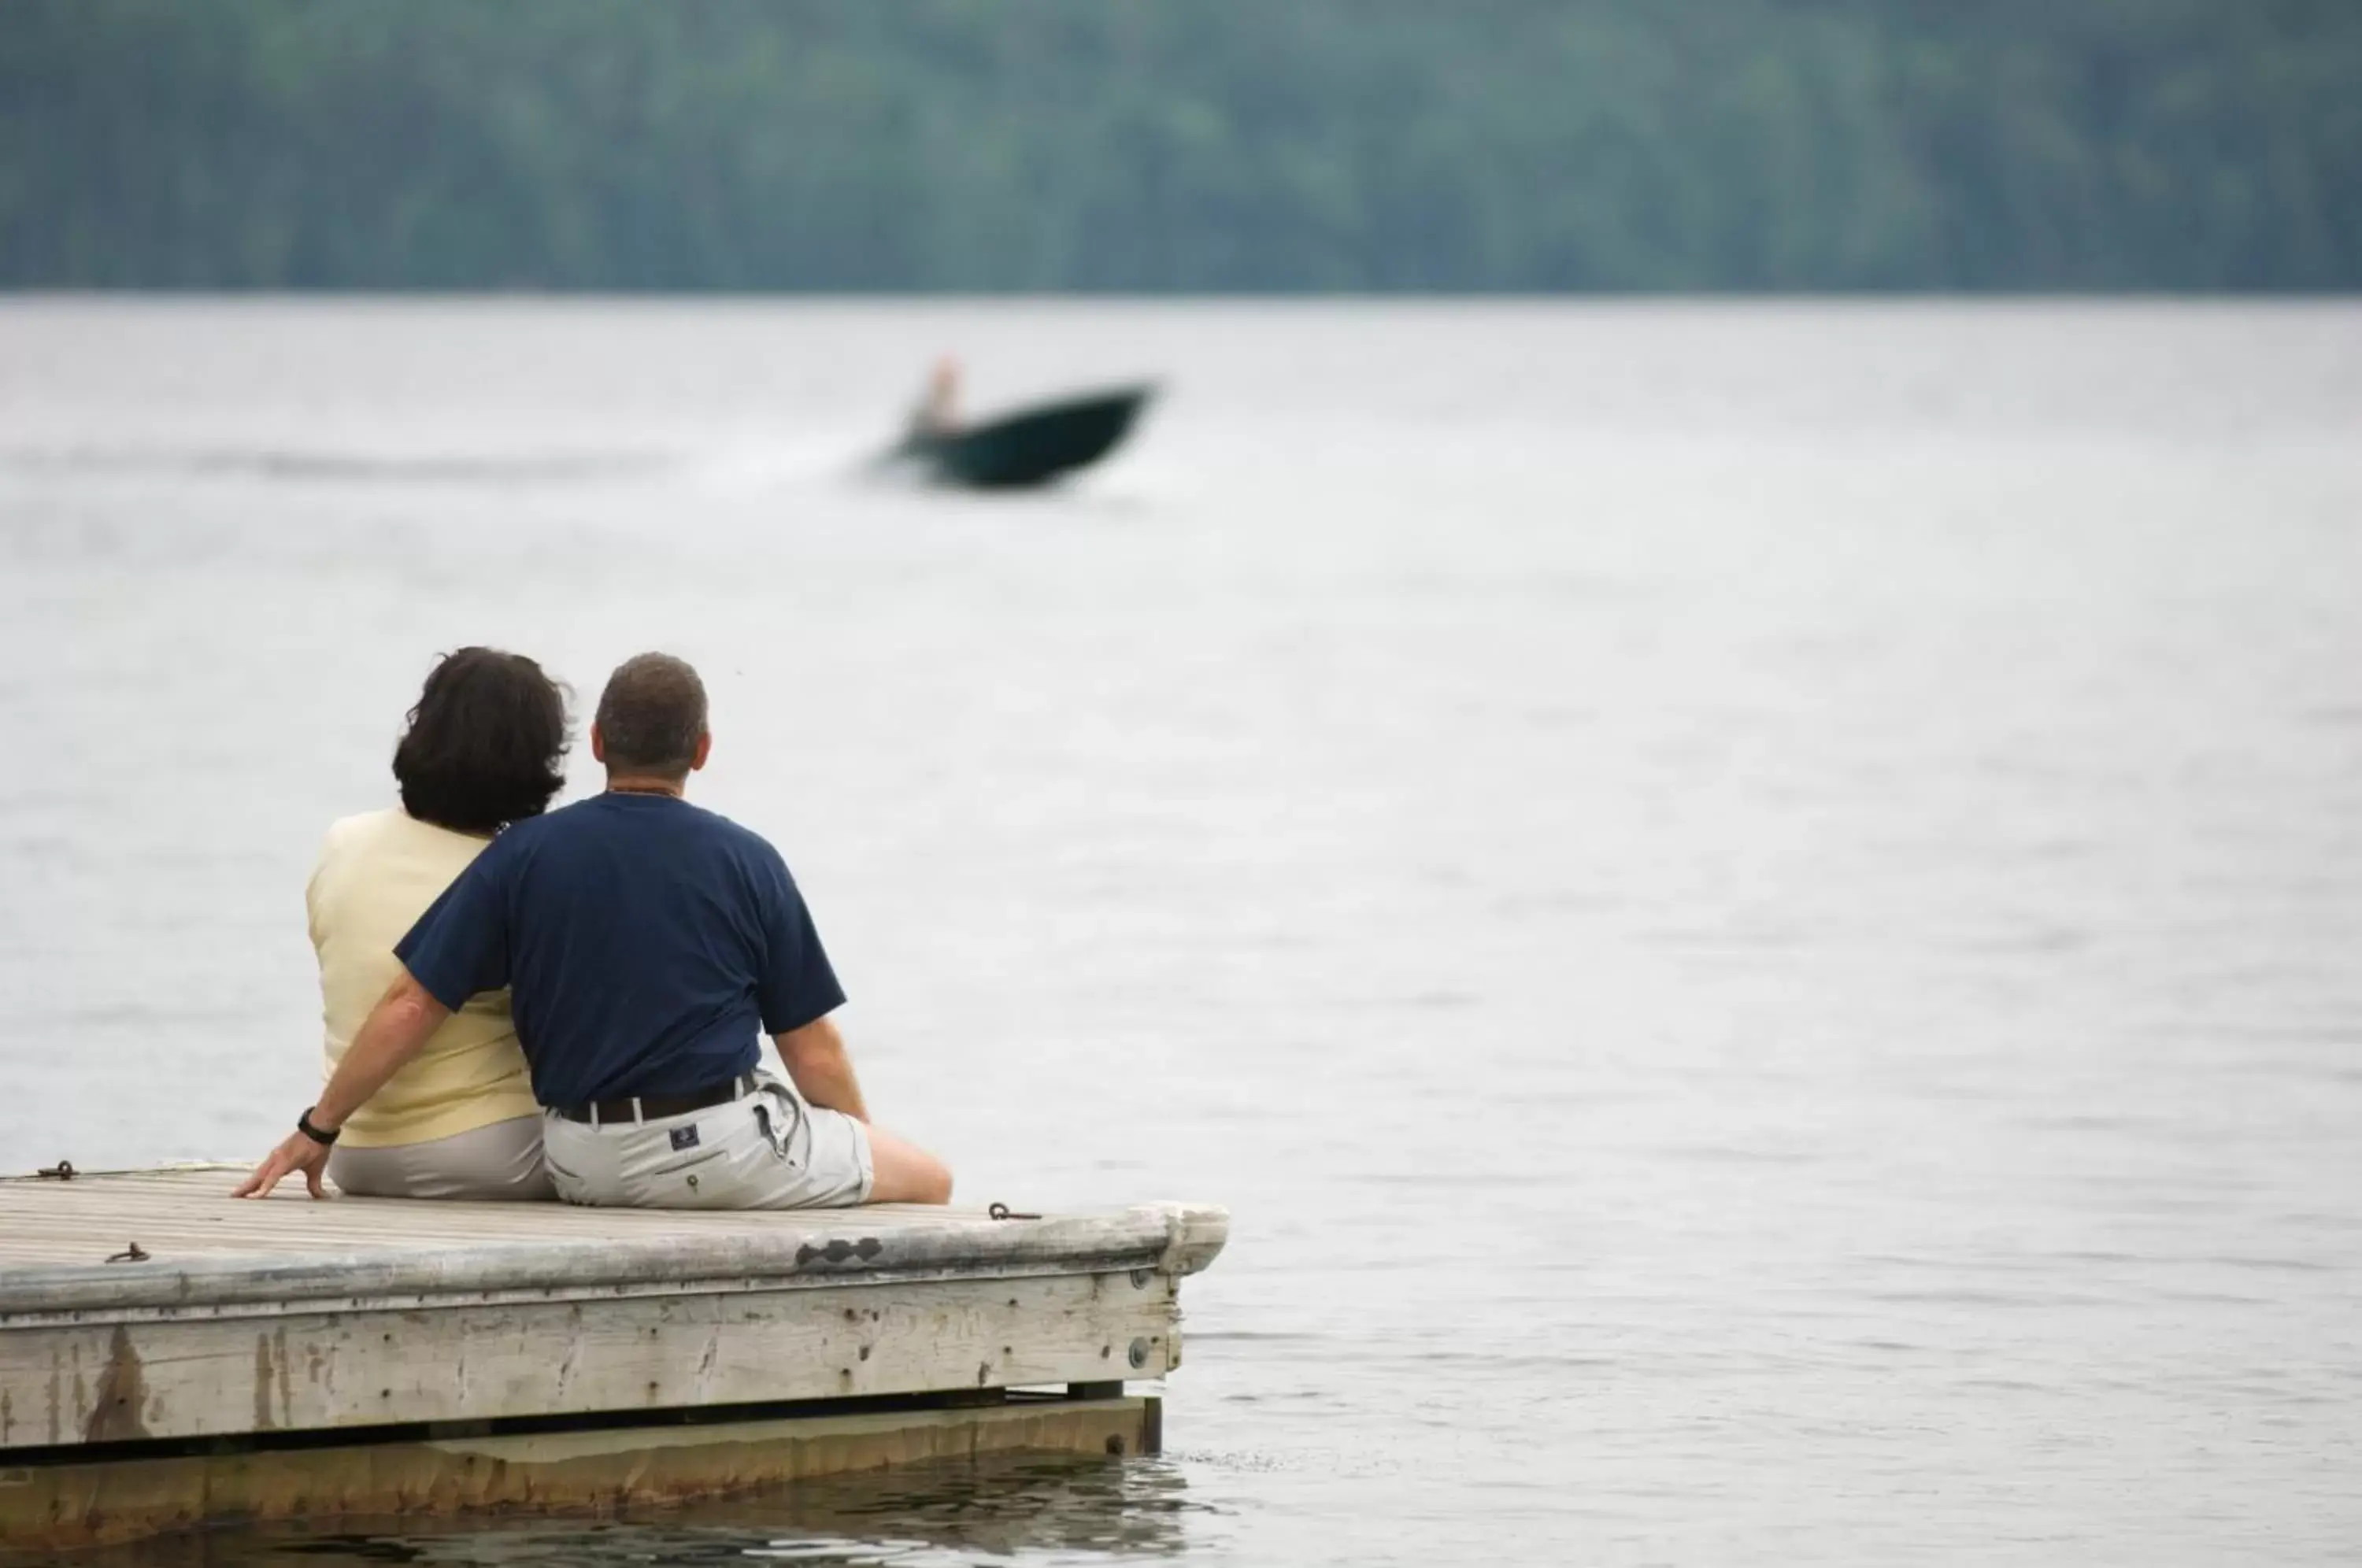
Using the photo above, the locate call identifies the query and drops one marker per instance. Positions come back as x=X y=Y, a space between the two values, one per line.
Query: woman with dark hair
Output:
x=484 y=747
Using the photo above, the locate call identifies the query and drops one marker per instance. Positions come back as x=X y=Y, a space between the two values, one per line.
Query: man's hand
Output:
x=298 y=1152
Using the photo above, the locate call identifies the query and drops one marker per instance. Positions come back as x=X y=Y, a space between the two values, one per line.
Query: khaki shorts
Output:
x=770 y=1149
x=501 y=1162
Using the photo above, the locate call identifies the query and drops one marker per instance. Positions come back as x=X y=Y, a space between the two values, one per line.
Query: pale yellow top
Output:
x=378 y=872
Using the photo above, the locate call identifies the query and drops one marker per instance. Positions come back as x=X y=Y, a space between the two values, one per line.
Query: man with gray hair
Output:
x=644 y=942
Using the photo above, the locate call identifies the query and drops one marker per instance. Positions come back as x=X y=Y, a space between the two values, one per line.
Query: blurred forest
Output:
x=1183 y=145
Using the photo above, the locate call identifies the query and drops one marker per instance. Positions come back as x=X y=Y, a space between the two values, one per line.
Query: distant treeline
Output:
x=1197 y=145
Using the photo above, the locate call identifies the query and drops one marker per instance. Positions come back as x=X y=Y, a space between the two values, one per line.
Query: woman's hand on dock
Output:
x=296 y=1153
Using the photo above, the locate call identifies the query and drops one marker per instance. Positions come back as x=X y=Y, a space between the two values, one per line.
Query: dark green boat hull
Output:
x=1031 y=447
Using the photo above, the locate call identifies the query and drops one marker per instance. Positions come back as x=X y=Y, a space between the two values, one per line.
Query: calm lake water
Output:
x=1754 y=908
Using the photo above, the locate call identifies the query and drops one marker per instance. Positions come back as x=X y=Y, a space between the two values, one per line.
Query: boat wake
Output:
x=747 y=466
x=329 y=466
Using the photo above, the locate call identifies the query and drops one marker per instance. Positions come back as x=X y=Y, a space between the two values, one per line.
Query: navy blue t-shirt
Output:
x=643 y=940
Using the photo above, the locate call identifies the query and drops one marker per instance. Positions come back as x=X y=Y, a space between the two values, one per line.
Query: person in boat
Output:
x=484 y=748
x=645 y=942
x=938 y=411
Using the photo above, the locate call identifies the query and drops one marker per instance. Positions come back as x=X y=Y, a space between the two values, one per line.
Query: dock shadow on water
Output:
x=1002 y=1509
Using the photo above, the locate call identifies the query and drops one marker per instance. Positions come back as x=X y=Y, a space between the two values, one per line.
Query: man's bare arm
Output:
x=397 y=1030
x=816 y=1060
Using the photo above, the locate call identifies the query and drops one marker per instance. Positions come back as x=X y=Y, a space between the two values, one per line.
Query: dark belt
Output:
x=649 y=1106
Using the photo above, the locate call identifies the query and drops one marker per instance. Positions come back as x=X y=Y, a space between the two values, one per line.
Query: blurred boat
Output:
x=1031 y=446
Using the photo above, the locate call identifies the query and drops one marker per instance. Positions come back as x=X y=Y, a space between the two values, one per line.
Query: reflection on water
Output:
x=1038 y=1510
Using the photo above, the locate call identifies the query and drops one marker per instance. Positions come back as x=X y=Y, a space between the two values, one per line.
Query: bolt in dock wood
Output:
x=170 y=1355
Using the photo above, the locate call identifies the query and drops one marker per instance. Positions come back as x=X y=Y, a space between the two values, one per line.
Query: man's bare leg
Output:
x=904 y=1172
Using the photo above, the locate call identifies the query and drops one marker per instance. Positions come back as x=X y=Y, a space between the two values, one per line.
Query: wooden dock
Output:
x=170 y=1356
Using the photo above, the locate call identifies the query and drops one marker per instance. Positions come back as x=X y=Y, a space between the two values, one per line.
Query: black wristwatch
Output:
x=318 y=1135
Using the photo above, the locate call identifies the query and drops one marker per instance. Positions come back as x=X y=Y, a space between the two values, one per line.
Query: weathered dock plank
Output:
x=61 y=1232
x=294 y=1314
x=111 y=1383
x=76 y=1504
